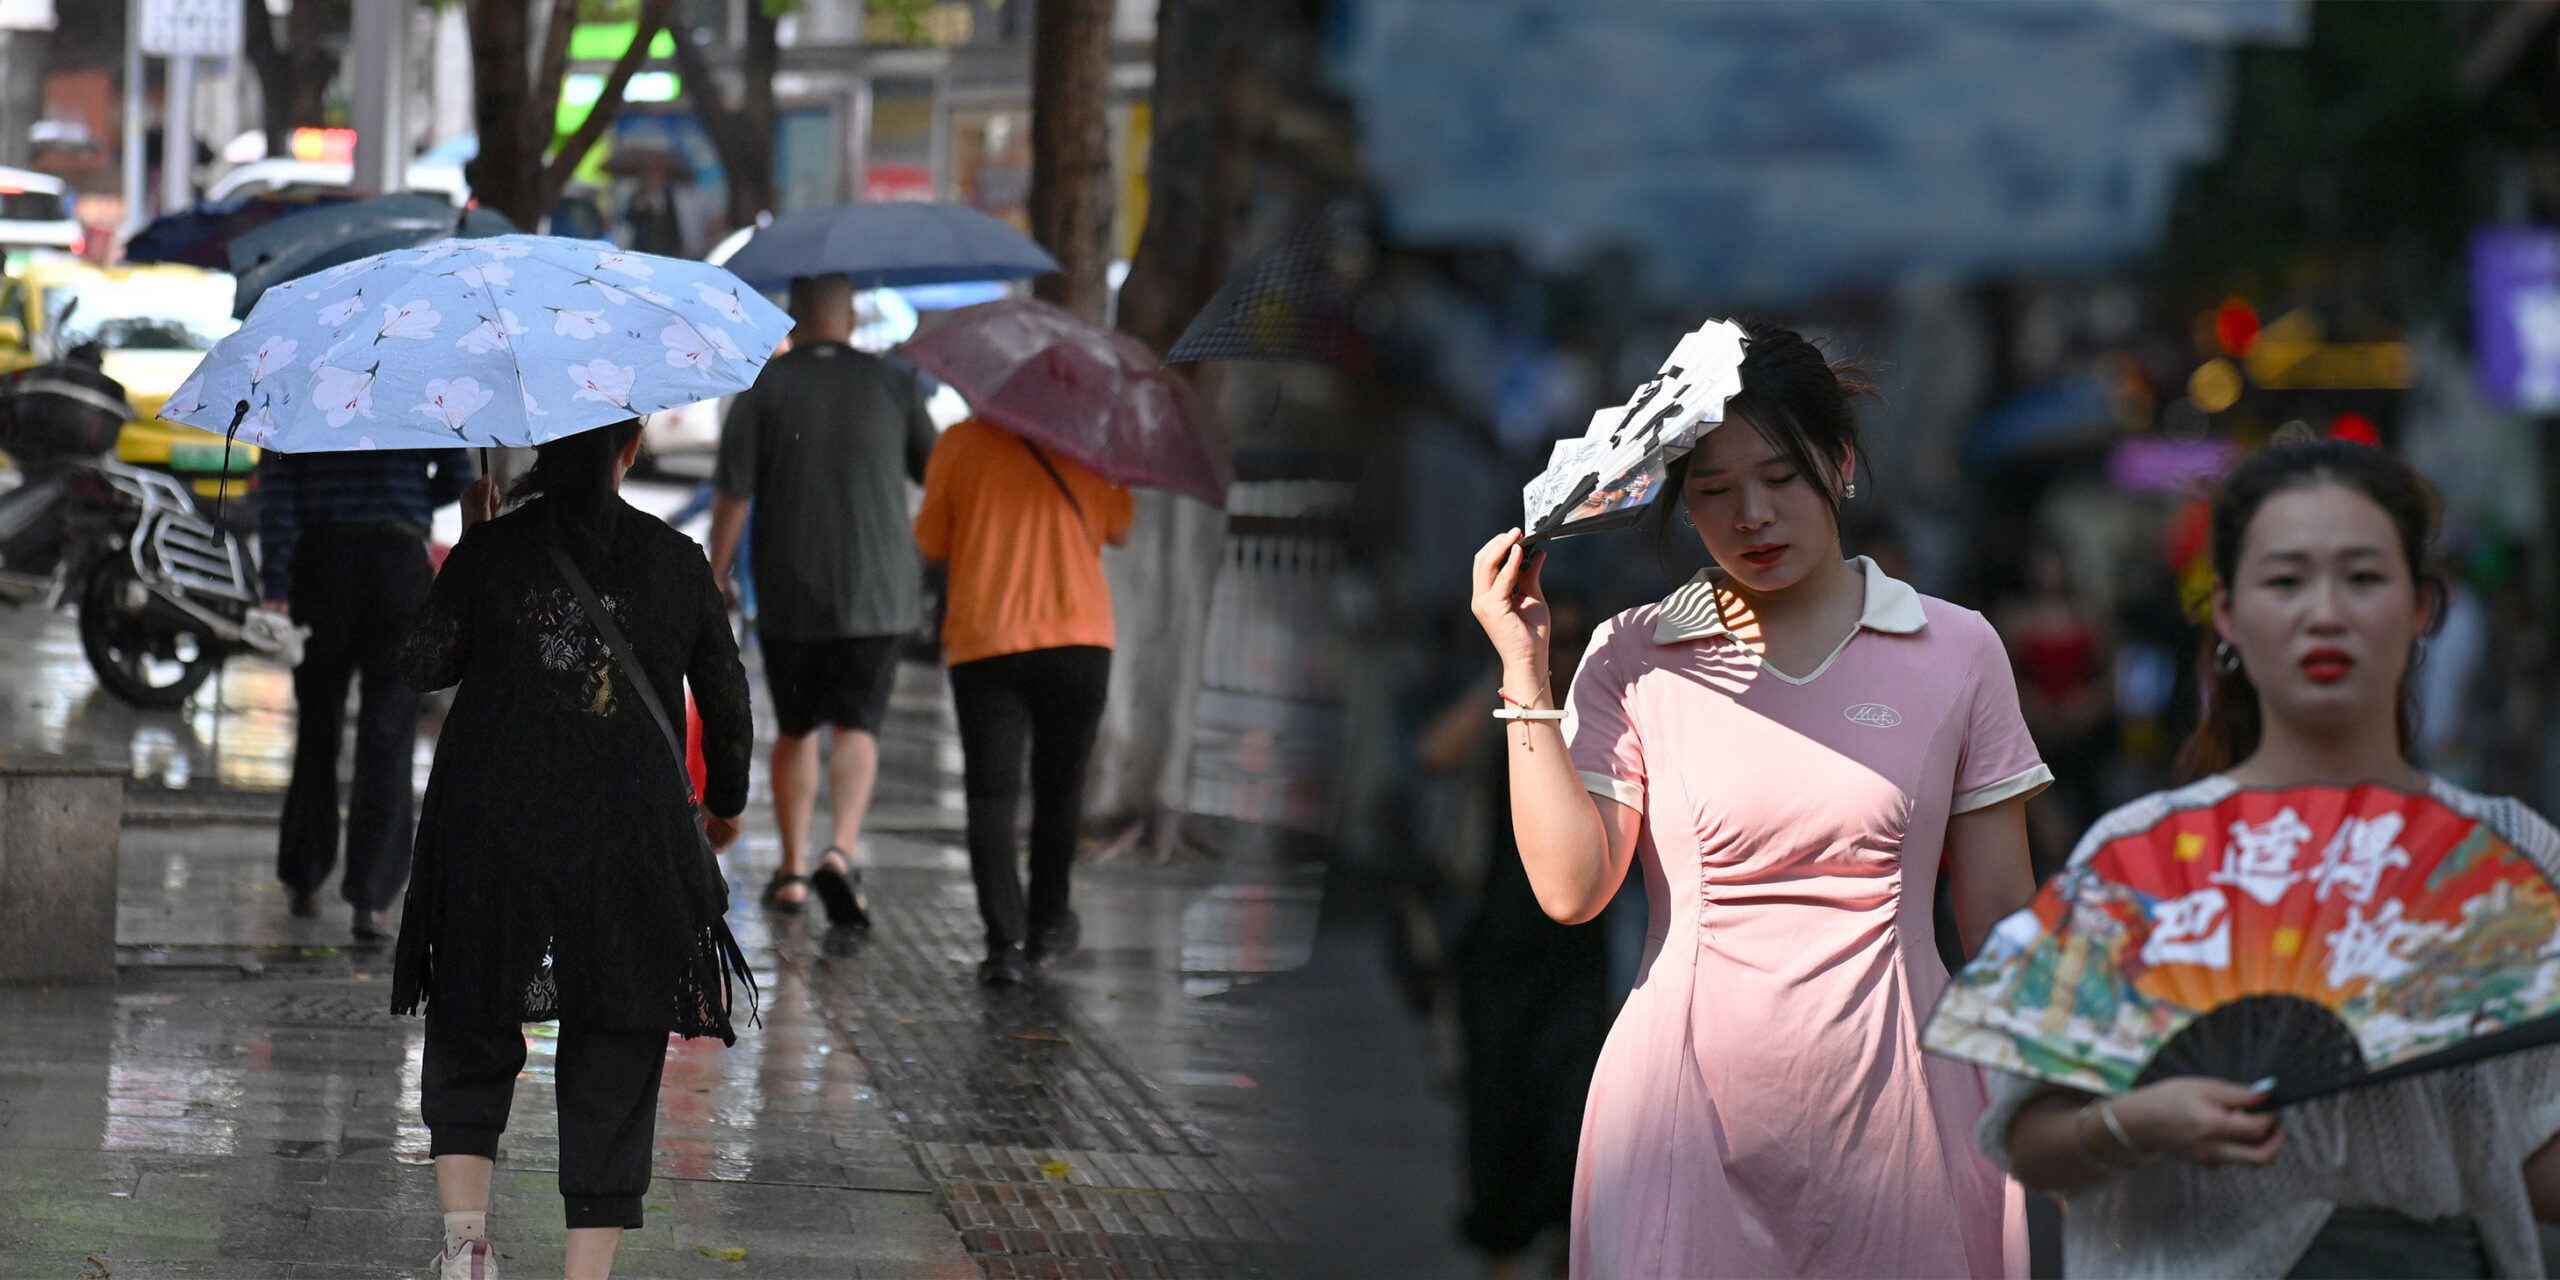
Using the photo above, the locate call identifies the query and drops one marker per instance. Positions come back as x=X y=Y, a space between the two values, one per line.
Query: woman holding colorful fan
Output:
x=2321 y=602
x=1788 y=747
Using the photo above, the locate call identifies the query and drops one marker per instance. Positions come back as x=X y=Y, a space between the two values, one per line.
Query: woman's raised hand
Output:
x=480 y=502
x=1513 y=611
x=2201 y=1120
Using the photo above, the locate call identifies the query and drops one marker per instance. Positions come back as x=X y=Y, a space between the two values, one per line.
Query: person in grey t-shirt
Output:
x=824 y=444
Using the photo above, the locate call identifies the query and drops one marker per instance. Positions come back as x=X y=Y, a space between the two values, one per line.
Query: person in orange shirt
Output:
x=1027 y=634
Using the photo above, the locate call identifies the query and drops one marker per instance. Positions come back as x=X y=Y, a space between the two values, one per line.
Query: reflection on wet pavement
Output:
x=242 y=1103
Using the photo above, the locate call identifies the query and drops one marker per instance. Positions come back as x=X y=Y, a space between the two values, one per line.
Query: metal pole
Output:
x=178 y=136
x=136 y=200
x=381 y=90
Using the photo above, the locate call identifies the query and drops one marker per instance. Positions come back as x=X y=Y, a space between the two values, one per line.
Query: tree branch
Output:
x=608 y=104
x=703 y=89
x=554 y=66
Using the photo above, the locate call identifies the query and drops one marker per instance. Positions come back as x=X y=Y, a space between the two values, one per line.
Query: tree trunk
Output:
x=743 y=135
x=294 y=74
x=1071 y=196
x=507 y=174
x=1162 y=580
x=517 y=117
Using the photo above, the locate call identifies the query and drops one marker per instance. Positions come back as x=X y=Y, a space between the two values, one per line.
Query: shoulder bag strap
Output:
x=732 y=960
x=1052 y=469
x=621 y=648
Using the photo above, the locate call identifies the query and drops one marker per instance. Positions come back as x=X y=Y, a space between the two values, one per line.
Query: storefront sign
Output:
x=2515 y=316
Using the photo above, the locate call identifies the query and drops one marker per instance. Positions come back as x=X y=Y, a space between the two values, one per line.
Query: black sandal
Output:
x=773 y=899
x=840 y=891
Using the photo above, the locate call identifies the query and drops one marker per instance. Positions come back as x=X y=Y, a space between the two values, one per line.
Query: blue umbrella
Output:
x=508 y=340
x=333 y=234
x=889 y=244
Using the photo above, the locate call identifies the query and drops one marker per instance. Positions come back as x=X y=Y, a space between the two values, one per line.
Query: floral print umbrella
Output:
x=501 y=341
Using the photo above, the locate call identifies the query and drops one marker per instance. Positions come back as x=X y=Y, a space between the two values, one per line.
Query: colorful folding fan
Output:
x=2322 y=936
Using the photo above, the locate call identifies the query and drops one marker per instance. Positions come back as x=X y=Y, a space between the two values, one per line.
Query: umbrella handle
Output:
x=222 y=486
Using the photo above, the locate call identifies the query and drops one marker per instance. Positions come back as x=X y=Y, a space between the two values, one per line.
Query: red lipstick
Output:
x=1764 y=555
x=2326 y=666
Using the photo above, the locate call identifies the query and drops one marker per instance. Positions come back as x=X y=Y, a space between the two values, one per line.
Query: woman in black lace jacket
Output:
x=558 y=872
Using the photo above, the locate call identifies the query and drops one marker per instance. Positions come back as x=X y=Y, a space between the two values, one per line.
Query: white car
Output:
x=35 y=212
x=277 y=173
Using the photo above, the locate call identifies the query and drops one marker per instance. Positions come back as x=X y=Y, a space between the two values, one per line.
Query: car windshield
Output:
x=159 y=312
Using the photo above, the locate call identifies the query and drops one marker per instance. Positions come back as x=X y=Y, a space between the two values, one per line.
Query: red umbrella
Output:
x=1096 y=396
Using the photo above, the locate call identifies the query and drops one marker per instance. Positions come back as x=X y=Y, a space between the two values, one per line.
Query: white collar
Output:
x=1691 y=613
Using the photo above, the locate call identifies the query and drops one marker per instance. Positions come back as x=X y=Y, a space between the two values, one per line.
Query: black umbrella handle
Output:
x=222 y=486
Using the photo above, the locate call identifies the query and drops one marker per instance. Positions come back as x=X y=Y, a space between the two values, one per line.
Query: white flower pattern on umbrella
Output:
x=452 y=401
x=603 y=380
x=345 y=394
x=723 y=302
x=413 y=320
x=578 y=324
x=686 y=347
x=273 y=354
x=316 y=359
x=492 y=333
x=343 y=310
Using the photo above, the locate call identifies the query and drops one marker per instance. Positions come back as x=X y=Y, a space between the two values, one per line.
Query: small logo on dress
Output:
x=1874 y=715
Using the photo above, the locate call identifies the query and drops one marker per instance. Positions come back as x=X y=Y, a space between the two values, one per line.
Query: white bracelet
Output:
x=1526 y=713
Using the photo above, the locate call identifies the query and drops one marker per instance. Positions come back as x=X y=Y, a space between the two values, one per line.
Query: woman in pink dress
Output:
x=1789 y=746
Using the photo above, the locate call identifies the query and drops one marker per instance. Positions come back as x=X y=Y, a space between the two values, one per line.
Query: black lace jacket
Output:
x=559 y=874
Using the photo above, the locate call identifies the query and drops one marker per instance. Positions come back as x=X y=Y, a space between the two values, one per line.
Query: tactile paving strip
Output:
x=1052 y=1155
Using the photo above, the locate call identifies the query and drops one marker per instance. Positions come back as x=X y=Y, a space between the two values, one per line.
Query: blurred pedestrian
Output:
x=1027 y=632
x=1532 y=994
x=2323 y=591
x=649 y=218
x=1782 y=745
x=824 y=444
x=343 y=549
x=2066 y=691
x=560 y=874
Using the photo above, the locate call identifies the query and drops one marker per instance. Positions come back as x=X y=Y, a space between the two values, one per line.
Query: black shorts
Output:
x=843 y=681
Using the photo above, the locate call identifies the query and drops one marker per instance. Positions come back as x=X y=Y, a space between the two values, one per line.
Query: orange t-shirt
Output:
x=1026 y=571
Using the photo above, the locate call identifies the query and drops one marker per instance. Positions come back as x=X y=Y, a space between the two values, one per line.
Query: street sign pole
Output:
x=136 y=200
x=381 y=89
x=178 y=136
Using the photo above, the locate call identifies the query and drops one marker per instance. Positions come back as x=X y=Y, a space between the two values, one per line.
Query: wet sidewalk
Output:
x=1218 y=1084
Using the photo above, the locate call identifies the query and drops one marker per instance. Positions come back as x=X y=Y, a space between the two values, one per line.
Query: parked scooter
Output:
x=165 y=593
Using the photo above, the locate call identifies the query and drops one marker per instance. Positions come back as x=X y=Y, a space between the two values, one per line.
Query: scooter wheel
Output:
x=141 y=655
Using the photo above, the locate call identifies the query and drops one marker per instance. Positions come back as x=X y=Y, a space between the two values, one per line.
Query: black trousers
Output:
x=607 y=1085
x=1050 y=702
x=357 y=587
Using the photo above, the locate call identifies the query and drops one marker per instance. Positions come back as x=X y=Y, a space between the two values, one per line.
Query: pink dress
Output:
x=1762 y=1107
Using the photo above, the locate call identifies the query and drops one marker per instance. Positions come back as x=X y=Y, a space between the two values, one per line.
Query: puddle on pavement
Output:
x=1247 y=928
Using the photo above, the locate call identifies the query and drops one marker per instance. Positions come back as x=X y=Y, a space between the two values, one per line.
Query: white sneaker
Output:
x=469 y=1260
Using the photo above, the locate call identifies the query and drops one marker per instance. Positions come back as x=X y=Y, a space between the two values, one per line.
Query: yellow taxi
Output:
x=155 y=323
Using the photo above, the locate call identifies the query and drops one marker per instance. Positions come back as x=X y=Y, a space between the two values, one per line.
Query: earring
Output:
x=2417 y=653
x=1850 y=490
x=1686 y=521
x=2224 y=660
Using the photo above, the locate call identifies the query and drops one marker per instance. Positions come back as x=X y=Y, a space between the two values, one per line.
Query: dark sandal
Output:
x=840 y=892
x=773 y=899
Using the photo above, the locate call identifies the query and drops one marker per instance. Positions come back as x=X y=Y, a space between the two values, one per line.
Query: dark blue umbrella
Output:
x=330 y=235
x=891 y=244
x=201 y=236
